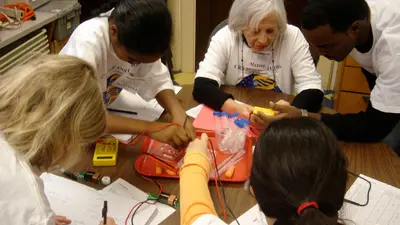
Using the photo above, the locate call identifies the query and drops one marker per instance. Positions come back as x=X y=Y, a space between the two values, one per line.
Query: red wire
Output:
x=221 y=202
x=151 y=129
x=160 y=188
x=126 y=220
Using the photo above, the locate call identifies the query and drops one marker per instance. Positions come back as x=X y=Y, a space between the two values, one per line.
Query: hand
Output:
x=188 y=126
x=61 y=220
x=282 y=102
x=284 y=110
x=173 y=135
x=284 y=107
x=199 y=145
x=262 y=121
x=110 y=221
x=231 y=106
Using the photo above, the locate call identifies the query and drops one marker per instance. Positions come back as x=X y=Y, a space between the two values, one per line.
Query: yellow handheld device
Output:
x=106 y=152
x=268 y=112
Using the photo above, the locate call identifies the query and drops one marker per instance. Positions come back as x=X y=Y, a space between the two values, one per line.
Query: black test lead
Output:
x=104 y=212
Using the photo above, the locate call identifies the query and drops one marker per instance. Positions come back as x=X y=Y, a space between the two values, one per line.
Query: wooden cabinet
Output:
x=351 y=88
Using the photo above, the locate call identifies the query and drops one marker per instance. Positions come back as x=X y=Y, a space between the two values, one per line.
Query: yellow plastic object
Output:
x=106 y=152
x=268 y=112
x=229 y=172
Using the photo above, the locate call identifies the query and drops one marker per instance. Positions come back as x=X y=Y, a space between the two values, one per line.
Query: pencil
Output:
x=122 y=111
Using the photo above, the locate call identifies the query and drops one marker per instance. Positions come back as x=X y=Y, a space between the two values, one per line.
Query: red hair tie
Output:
x=306 y=205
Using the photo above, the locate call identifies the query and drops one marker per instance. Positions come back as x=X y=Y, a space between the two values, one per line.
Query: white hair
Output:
x=249 y=13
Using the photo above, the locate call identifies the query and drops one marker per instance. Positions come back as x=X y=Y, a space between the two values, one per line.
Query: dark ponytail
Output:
x=312 y=216
x=299 y=161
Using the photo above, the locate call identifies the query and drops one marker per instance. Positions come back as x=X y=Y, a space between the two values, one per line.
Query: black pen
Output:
x=122 y=111
x=104 y=212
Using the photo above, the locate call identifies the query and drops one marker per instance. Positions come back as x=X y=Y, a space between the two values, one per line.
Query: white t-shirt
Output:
x=22 y=198
x=383 y=59
x=91 y=42
x=289 y=59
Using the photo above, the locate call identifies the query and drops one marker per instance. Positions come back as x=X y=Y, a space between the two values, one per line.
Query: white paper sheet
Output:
x=124 y=189
x=383 y=207
x=193 y=112
x=148 y=111
x=252 y=217
x=83 y=205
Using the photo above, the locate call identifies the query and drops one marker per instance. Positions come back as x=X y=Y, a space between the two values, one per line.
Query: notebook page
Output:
x=83 y=205
x=124 y=189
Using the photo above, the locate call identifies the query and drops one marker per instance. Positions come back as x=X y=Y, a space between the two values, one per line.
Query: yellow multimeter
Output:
x=268 y=112
x=106 y=152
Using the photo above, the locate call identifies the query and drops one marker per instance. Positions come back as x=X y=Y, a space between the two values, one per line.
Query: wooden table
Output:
x=374 y=160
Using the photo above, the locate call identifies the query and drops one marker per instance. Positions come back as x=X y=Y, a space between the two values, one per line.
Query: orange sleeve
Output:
x=195 y=199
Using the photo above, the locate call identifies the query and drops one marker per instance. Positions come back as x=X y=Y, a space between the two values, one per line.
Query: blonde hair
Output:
x=249 y=13
x=50 y=109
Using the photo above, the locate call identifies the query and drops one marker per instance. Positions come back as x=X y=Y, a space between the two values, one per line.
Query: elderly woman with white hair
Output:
x=258 y=49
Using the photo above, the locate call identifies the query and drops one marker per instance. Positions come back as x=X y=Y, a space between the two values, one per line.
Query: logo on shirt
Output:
x=111 y=92
x=262 y=81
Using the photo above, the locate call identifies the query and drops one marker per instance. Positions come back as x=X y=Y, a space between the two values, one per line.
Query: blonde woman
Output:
x=258 y=49
x=50 y=109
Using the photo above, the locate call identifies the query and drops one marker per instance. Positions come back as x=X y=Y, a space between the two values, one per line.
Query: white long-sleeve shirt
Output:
x=293 y=65
x=22 y=198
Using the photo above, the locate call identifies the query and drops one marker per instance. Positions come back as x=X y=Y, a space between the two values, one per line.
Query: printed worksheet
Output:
x=253 y=216
x=383 y=207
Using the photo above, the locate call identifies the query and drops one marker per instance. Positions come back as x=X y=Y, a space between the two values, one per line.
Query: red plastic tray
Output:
x=147 y=166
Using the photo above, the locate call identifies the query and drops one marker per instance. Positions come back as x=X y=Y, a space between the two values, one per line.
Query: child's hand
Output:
x=198 y=144
x=110 y=221
x=190 y=130
x=173 y=135
x=231 y=106
x=186 y=123
x=62 y=220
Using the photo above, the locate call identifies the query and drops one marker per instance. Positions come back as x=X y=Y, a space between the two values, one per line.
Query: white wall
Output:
x=327 y=69
x=184 y=37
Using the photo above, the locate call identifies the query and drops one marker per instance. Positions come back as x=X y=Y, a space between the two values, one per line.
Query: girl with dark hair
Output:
x=298 y=176
x=125 y=45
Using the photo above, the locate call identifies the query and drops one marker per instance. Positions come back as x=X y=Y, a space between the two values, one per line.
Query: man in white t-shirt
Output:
x=369 y=31
x=125 y=45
